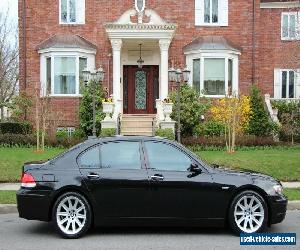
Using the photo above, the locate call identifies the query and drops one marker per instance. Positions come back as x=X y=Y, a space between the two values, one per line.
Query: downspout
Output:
x=24 y=49
x=253 y=43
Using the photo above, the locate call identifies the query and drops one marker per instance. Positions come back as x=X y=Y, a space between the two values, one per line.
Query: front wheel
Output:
x=248 y=213
x=72 y=215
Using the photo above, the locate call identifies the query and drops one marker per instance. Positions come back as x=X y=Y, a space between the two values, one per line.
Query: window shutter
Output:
x=297 y=72
x=223 y=12
x=277 y=85
x=80 y=11
x=199 y=12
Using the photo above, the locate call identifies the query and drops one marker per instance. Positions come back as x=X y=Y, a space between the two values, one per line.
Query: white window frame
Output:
x=90 y=55
x=69 y=130
x=287 y=83
x=297 y=26
x=77 y=9
x=215 y=55
x=223 y=14
x=210 y=14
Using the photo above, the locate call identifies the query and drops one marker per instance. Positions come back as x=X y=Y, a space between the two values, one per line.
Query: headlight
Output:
x=278 y=189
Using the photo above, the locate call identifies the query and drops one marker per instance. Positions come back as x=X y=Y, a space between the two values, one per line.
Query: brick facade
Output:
x=42 y=21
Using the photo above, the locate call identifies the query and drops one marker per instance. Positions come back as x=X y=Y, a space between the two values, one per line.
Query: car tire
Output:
x=248 y=213
x=72 y=215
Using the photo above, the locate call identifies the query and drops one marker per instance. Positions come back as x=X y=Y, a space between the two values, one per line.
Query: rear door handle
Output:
x=93 y=176
x=157 y=177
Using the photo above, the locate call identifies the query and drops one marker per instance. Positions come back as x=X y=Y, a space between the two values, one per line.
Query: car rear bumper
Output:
x=33 y=205
x=278 y=206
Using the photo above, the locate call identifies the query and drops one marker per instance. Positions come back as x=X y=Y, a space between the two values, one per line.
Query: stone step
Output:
x=140 y=123
x=136 y=129
x=145 y=133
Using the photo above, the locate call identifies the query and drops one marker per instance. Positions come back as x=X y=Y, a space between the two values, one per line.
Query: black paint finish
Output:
x=144 y=196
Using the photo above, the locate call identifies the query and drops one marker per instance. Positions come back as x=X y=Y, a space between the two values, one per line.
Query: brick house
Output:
x=227 y=44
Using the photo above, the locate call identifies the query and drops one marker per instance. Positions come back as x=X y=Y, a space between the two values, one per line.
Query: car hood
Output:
x=254 y=175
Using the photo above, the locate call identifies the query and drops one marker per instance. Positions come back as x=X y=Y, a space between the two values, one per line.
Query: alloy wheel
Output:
x=71 y=215
x=249 y=213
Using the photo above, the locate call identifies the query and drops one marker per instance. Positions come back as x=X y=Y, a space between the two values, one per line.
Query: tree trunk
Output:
x=2 y=113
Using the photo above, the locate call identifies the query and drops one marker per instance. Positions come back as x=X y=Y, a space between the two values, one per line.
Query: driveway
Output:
x=17 y=233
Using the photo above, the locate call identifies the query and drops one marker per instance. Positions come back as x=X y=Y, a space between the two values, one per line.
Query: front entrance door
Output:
x=140 y=89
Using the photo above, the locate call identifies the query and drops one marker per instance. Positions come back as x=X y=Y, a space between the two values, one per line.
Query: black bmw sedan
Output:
x=144 y=181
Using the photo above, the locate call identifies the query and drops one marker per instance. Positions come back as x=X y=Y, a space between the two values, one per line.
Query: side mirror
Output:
x=194 y=168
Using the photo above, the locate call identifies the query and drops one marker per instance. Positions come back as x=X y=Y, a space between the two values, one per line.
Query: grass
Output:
x=9 y=197
x=292 y=193
x=281 y=163
x=12 y=160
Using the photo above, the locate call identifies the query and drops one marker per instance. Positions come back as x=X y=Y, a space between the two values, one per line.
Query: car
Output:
x=149 y=181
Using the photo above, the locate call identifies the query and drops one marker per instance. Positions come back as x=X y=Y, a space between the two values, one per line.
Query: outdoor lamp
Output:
x=86 y=75
x=172 y=75
x=100 y=74
x=186 y=74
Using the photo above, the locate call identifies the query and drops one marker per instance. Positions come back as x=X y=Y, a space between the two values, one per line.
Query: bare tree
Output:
x=9 y=63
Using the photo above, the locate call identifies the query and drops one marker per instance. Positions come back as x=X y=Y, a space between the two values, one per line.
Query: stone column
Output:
x=116 y=49
x=164 y=45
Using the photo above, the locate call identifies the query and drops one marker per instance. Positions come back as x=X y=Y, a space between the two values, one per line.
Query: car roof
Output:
x=124 y=138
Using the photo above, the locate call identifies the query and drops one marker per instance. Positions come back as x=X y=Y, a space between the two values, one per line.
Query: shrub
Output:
x=192 y=107
x=166 y=133
x=210 y=128
x=62 y=134
x=10 y=140
x=86 y=109
x=219 y=142
x=15 y=128
x=259 y=124
x=106 y=132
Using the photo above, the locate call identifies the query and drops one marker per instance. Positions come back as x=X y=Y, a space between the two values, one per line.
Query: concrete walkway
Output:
x=16 y=186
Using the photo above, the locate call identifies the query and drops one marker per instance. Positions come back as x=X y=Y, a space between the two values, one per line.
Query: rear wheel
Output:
x=248 y=213
x=72 y=215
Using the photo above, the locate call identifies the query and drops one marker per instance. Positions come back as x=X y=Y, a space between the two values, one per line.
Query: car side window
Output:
x=90 y=158
x=121 y=155
x=162 y=156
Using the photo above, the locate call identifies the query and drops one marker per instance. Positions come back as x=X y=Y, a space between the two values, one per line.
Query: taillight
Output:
x=27 y=181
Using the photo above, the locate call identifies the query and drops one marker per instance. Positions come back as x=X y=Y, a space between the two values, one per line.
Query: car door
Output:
x=176 y=192
x=116 y=178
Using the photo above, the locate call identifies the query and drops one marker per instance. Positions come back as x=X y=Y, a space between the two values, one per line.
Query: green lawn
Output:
x=12 y=160
x=281 y=163
x=8 y=197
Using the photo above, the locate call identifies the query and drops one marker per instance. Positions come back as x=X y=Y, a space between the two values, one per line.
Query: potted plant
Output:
x=168 y=108
x=108 y=107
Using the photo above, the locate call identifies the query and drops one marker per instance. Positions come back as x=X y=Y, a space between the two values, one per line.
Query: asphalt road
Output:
x=17 y=233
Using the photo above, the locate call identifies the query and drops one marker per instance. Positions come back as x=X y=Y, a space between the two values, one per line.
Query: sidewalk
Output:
x=16 y=186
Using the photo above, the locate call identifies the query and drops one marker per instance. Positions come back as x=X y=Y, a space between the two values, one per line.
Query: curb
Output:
x=12 y=208
x=8 y=208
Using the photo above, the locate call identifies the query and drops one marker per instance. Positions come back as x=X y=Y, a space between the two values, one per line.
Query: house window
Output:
x=210 y=11
x=215 y=77
x=64 y=75
x=69 y=130
x=288 y=84
x=289 y=23
x=72 y=11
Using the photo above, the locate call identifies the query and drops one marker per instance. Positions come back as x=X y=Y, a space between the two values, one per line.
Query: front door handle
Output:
x=157 y=177
x=93 y=176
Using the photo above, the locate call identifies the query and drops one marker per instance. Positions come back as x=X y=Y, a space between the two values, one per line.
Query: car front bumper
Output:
x=278 y=206
x=33 y=204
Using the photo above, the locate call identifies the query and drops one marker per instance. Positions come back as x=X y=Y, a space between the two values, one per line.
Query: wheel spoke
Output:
x=251 y=224
x=241 y=206
x=62 y=214
x=75 y=204
x=256 y=207
x=73 y=226
x=78 y=223
x=81 y=216
x=63 y=221
x=240 y=220
x=239 y=213
x=251 y=202
x=245 y=201
x=69 y=203
x=65 y=207
x=79 y=209
x=256 y=221
x=258 y=214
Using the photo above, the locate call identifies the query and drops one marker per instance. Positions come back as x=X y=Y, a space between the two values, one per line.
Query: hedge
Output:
x=15 y=128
